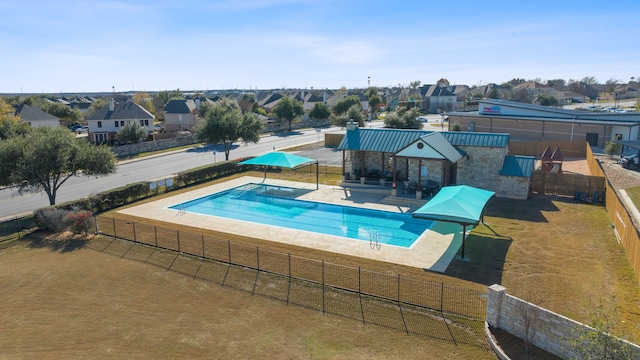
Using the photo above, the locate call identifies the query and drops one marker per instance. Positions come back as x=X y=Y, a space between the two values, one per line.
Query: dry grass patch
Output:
x=101 y=300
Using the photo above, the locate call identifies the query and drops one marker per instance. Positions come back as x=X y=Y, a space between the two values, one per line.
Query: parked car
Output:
x=630 y=162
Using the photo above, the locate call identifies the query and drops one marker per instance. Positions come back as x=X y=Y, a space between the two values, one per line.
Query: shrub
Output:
x=612 y=148
x=51 y=219
x=81 y=222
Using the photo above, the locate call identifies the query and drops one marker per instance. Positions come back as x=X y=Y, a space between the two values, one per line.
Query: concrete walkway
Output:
x=433 y=250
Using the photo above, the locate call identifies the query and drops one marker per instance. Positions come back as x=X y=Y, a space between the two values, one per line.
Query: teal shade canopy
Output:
x=460 y=204
x=279 y=159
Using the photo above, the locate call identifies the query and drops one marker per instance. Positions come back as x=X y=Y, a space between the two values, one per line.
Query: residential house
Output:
x=437 y=99
x=105 y=124
x=270 y=101
x=180 y=115
x=535 y=88
x=569 y=97
x=626 y=91
x=36 y=117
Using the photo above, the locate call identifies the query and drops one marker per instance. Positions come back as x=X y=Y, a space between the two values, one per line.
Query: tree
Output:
x=415 y=84
x=374 y=101
x=288 y=109
x=612 y=148
x=60 y=110
x=320 y=111
x=513 y=82
x=246 y=102
x=354 y=113
x=557 y=84
x=530 y=319
x=45 y=158
x=611 y=84
x=12 y=126
x=547 y=100
x=597 y=342
x=403 y=118
x=589 y=80
x=345 y=104
x=132 y=132
x=96 y=105
x=443 y=82
x=144 y=99
x=523 y=96
x=224 y=122
x=160 y=99
x=493 y=94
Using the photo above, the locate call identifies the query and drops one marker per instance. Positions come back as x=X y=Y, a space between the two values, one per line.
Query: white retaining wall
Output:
x=555 y=331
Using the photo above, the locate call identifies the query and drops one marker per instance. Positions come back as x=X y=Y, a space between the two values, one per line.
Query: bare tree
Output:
x=443 y=82
x=530 y=317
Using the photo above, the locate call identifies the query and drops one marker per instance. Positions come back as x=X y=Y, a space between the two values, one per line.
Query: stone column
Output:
x=494 y=304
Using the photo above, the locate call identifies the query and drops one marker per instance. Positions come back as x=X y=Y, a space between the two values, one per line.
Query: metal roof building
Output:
x=538 y=123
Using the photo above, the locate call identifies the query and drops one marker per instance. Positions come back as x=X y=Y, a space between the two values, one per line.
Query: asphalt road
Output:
x=151 y=168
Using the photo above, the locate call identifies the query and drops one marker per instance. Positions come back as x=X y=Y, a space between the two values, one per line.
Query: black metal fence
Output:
x=16 y=227
x=411 y=305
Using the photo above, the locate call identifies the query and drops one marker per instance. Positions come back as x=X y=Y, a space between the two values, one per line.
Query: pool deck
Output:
x=433 y=251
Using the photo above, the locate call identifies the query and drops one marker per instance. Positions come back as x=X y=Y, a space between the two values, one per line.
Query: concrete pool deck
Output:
x=433 y=251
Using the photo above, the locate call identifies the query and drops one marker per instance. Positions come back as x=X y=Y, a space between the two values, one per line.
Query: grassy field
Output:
x=634 y=195
x=66 y=298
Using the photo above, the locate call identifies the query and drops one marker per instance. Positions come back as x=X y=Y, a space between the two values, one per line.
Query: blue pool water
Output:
x=256 y=203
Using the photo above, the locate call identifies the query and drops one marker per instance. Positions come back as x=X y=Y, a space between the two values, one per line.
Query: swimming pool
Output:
x=269 y=205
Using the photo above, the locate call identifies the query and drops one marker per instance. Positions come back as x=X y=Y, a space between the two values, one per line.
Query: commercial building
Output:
x=542 y=123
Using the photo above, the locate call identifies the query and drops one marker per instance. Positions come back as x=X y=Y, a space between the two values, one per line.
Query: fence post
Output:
x=323 y=305
x=178 y=236
x=155 y=233
x=360 y=297
x=134 y=231
x=289 y=280
x=406 y=329
x=18 y=227
x=255 y=282
x=203 y=255
x=114 y=228
x=229 y=249
x=441 y=296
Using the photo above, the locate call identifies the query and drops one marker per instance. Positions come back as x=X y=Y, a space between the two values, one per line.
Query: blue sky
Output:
x=97 y=46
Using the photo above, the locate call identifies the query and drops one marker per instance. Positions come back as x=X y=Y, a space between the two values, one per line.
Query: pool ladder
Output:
x=374 y=237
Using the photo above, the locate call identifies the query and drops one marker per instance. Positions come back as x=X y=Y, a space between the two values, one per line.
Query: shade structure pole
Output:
x=464 y=235
x=317 y=176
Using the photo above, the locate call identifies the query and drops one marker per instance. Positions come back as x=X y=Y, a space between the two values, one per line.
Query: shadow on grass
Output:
x=288 y=133
x=218 y=148
x=484 y=259
x=527 y=210
x=62 y=242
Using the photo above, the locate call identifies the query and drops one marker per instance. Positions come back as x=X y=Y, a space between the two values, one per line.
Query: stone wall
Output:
x=554 y=334
x=481 y=169
x=303 y=124
x=482 y=166
x=147 y=146
x=512 y=187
